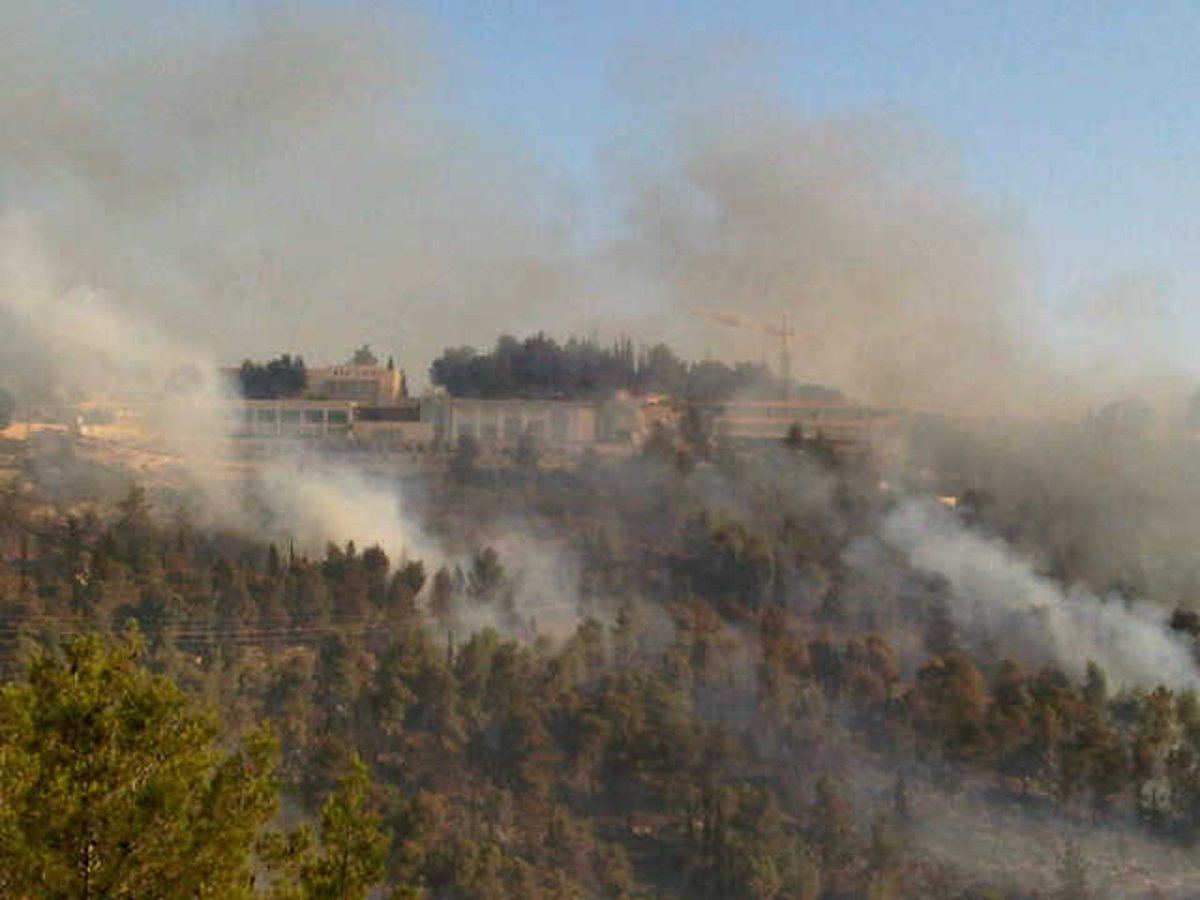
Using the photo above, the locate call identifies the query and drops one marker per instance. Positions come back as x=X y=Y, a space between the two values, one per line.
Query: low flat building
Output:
x=293 y=419
x=851 y=430
x=398 y=426
x=622 y=419
x=557 y=423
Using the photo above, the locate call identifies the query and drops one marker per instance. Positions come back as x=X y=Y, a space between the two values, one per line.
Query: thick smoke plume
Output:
x=299 y=178
x=295 y=496
x=314 y=500
x=82 y=338
x=996 y=596
x=98 y=346
x=900 y=285
x=285 y=178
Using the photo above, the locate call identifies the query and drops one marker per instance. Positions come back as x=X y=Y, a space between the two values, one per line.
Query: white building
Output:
x=559 y=423
x=294 y=418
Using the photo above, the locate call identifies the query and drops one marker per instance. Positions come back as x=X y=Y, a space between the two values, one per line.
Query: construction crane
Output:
x=783 y=331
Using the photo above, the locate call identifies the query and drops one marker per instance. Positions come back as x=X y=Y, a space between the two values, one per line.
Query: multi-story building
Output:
x=376 y=385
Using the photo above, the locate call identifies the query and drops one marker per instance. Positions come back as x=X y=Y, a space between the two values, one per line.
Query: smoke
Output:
x=81 y=337
x=289 y=495
x=236 y=184
x=995 y=595
x=233 y=186
x=285 y=178
x=1021 y=850
x=1112 y=502
x=303 y=177
x=902 y=287
x=314 y=501
x=904 y=283
x=80 y=330
x=96 y=345
x=537 y=596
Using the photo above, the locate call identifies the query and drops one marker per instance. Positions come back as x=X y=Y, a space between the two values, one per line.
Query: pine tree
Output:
x=112 y=785
x=1072 y=874
x=353 y=843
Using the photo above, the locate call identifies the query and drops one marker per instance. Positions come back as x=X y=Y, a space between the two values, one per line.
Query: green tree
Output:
x=284 y=376
x=112 y=785
x=949 y=700
x=353 y=843
x=7 y=406
x=1072 y=874
x=832 y=828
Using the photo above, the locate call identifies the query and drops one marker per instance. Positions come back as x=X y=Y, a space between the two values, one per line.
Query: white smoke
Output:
x=97 y=345
x=288 y=176
x=100 y=347
x=315 y=501
x=994 y=593
x=93 y=340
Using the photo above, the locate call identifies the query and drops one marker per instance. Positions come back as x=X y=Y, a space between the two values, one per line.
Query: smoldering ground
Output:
x=1018 y=849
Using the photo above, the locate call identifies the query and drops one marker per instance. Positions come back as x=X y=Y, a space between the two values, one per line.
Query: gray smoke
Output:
x=995 y=595
x=299 y=179
x=97 y=345
x=902 y=287
x=284 y=179
x=178 y=193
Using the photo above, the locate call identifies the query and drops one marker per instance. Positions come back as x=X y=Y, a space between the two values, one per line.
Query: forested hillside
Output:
x=728 y=704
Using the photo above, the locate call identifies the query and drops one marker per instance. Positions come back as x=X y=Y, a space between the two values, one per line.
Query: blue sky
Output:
x=416 y=192
x=1079 y=118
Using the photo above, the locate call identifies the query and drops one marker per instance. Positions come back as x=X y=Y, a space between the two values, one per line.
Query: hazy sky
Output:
x=1081 y=117
x=929 y=188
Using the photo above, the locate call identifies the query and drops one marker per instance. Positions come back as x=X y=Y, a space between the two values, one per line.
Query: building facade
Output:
x=343 y=422
x=851 y=430
x=557 y=423
x=376 y=385
x=293 y=418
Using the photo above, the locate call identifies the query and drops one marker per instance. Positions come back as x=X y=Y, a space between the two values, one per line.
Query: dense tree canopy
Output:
x=111 y=785
x=538 y=366
x=691 y=725
x=284 y=376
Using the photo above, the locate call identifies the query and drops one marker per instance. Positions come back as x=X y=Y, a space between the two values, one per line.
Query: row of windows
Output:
x=350 y=388
x=512 y=427
x=295 y=416
x=791 y=413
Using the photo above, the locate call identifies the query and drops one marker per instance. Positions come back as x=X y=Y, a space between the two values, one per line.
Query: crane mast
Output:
x=783 y=331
